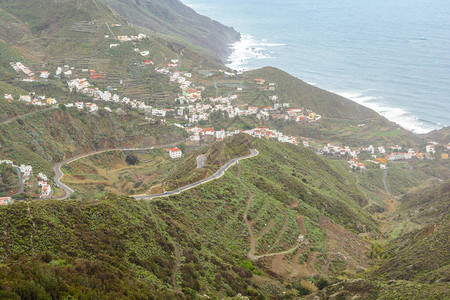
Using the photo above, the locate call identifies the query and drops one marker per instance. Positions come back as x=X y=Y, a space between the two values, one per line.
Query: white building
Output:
x=175 y=153
x=430 y=149
x=5 y=200
x=43 y=176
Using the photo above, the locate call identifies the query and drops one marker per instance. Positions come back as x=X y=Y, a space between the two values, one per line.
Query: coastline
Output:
x=403 y=69
x=243 y=51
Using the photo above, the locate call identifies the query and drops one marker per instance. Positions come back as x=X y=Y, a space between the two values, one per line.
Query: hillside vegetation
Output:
x=48 y=137
x=417 y=264
x=200 y=235
x=172 y=20
x=280 y=225
x=421 y=253
x=340 y=116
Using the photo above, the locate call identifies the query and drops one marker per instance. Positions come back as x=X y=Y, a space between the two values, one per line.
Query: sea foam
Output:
x=248 y=48
x=398 y=115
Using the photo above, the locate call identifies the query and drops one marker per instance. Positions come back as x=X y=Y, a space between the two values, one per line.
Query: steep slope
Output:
x=49 y=136
x=79 y=34
x=340 y=116
x=417 y=262
x=174 y=19
x=440 y=136
x=225 y=237
x=421 y=253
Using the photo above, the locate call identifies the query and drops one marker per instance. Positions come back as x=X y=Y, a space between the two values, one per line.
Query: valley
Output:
x=135 y=165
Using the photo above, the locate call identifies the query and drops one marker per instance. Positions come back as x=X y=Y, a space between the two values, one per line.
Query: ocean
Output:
x=392 y=56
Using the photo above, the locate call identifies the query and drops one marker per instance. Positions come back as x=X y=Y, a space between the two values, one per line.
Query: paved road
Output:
x=201 y=161
x=59 y=174
x=31 y=113
x=21 y=189
x=218 y=174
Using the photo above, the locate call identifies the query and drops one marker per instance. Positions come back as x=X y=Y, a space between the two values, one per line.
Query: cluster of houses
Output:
x=66 y=70
x=131 y=38
x=20 y=67
x=84 y=87
x=392 y=153
x=34 y=100
x=197 y=134
x=27 y=172
x=46 y=189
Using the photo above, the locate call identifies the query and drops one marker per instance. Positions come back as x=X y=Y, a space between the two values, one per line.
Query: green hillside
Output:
x=53 y=135
x=174 y=20
x=284 y=224
x=135 y=247
x=417 y=261
x=421 y=253
x=340 y=116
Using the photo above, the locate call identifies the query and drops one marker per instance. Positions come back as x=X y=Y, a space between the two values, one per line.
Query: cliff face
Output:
x=171 y=17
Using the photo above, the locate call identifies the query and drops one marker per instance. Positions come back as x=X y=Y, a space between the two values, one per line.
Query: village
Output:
x=37 y=183
x=192 y=109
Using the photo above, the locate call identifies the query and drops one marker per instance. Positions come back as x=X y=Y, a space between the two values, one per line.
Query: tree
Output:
x=132 y=159
x=322 y=283
x=182 y=147
x=62 y=107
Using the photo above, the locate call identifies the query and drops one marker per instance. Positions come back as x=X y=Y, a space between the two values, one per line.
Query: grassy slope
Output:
x=9 y=182
x=421 y=253
x=441 y=136
x=417 y=261
x=340 y=115
x=124 y=240
x=51 y=136
x=174 y=19
x=109 y=172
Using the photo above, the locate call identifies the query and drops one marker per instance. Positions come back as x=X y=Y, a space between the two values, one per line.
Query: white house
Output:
x=91 y=107
x=430 y=149
x=6 y=162
x=26 y=170
x=79 y=105
x=43 y=176
x=158 y=112
x=46 y=190
x=175 y=153
x=5 y=200
x=194 y=138
x=25 y=98
x=45 y=74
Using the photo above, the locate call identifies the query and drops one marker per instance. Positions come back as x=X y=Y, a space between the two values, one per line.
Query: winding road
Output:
x=24 y=115
x=19 y=175
x=59 y=174
x=68 y=191
x=21 y=186
x=218 y=174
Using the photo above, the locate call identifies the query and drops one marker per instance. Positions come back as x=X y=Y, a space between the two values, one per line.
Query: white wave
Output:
x=398 y=115
x=248 y=48
x=271 y=45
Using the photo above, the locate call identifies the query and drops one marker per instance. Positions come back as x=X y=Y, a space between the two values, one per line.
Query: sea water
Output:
x=392 y=56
